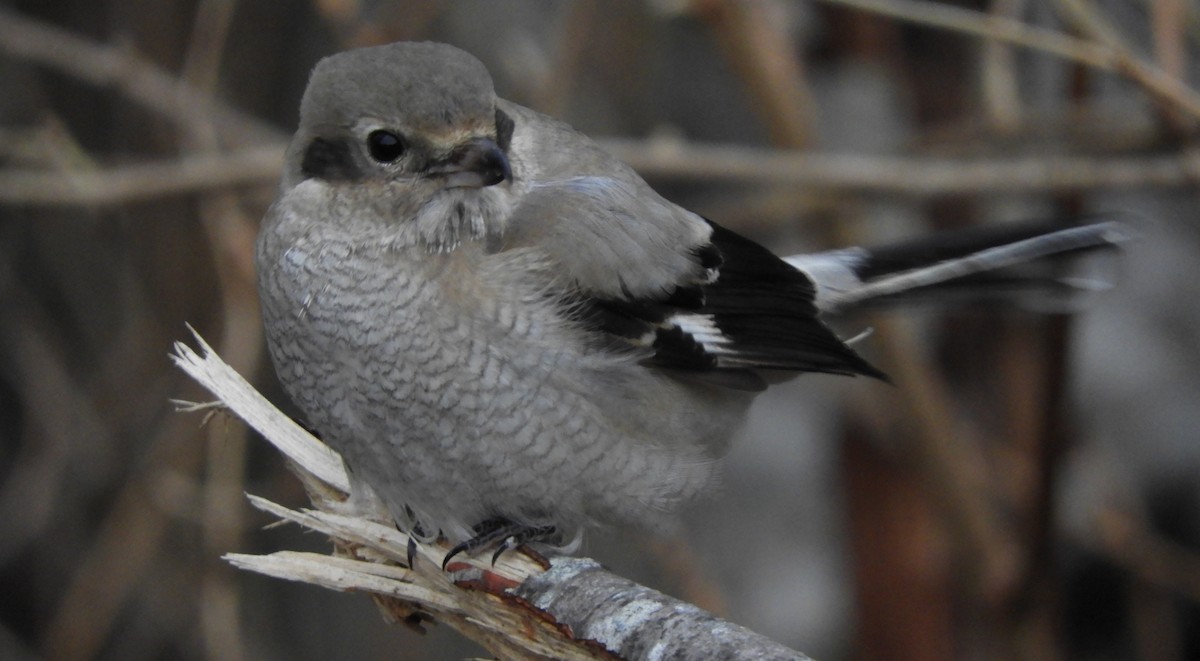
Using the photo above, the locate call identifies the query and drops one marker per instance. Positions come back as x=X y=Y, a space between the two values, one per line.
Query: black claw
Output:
x=505 y=545
x=486 y=533
x=458 y=548
x=413 y=533
x=503 y=533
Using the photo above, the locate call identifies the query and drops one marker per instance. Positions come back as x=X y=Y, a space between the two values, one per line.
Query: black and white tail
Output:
x=1038 y=264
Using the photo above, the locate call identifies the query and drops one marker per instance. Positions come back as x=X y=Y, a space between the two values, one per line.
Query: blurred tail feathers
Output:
x=1038 y=265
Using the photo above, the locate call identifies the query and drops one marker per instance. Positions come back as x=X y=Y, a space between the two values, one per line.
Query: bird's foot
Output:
x=502 y=533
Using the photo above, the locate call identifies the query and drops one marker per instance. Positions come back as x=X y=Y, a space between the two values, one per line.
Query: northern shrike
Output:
x=507 y=334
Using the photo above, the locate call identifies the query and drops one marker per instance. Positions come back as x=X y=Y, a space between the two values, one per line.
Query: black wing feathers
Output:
x=767 y=311
x=753 y=312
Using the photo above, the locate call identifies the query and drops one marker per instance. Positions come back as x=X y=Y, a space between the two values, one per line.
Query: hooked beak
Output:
x=476 y=163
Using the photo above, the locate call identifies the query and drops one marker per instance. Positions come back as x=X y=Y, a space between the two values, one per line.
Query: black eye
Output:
x=385 y=146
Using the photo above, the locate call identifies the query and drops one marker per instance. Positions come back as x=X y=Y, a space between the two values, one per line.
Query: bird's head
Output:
x=382 y=125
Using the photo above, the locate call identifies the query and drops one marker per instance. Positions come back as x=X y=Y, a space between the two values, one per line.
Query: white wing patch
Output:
x=704 y=330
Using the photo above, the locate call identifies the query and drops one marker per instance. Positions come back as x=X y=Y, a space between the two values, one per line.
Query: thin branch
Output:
x=761 y=51
x=953 y=466
x=1091 y=22
x=570 y=49
x=998 y=74
x=902 y=175
x=1104 y=56
x=140 y=80
x=908 y=176
x=1169 y=26
x=124 y=184
x=992 y=27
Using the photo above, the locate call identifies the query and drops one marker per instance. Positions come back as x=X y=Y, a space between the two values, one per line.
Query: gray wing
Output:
x=647 y=273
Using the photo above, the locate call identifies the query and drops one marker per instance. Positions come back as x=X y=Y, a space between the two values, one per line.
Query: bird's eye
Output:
x=385 y=146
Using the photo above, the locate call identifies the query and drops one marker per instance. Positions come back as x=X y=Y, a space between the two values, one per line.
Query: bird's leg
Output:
x=503 y=533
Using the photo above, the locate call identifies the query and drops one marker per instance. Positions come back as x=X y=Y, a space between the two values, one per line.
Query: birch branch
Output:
x=523 y=607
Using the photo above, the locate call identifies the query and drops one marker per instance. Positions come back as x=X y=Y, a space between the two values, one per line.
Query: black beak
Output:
x=476 y=163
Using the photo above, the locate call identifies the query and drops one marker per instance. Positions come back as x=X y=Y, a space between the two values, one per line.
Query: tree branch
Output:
x=1097 y=52
x=906 y=176
x=142 y=81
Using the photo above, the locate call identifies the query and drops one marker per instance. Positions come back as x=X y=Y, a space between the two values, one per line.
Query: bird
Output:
x=510 y=337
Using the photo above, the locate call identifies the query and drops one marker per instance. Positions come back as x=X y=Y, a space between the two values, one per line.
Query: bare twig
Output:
x=763 y=54
x=996 y=28
x=210 y=31
x=1100 y=55
x=1091 y=22
x=569 y=50
x=1001 y=93
x=1159 y=80
x=126 y=184
x=141 y=81
x=902 y=175
x=1169 y=25
x=954 y=467
x=907 y=176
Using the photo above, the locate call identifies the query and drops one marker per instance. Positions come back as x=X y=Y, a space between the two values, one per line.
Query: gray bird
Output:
x=509 y=336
